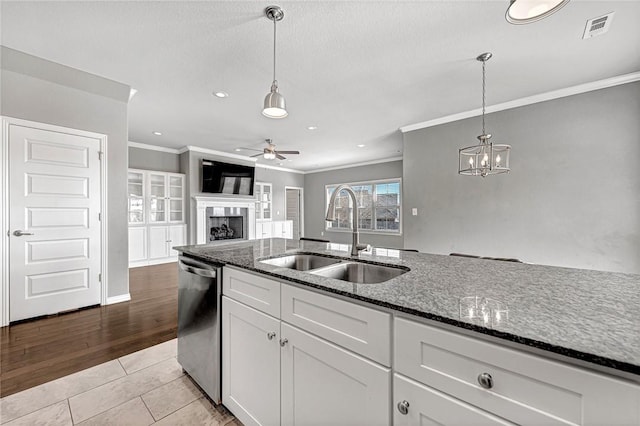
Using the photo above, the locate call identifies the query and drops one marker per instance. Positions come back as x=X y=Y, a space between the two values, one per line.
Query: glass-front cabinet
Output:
x=263 y=194
x=157 y=197
x=176 y=198
x=135 y=183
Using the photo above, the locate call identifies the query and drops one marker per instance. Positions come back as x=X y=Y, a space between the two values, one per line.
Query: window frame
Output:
x=373 y=184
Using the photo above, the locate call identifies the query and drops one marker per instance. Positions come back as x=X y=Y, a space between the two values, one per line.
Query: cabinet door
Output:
x=176 y=197
x=422 y=405
x=137 y=243
x=136 y=194
x=157 y=184
x=287 y=229
x=250 y=364
x=277 y=229
x=323 y=384
x=177 y=237
x=158 y=242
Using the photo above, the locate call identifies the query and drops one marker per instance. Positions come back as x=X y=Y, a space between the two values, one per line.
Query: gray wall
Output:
x=149 y=159
x=190 y=164
x=572 y=197
x=42 y=91
x=314 y=202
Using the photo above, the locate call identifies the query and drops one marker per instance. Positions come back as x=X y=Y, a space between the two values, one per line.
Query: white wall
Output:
x=42 y=91
x=572 y=197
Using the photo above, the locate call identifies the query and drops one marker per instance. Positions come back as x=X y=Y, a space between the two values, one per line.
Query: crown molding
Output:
x=282 y=169
x=152 y=147
x=366 y=163
x=214 y=152
x=529 y=100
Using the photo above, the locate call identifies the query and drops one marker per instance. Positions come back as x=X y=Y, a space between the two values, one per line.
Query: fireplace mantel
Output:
x=201 y=217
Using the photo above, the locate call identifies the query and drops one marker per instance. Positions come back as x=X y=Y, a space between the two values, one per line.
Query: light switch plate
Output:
x=414 y=211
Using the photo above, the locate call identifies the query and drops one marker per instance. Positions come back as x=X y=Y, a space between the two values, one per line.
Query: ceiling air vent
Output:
x=598 y=26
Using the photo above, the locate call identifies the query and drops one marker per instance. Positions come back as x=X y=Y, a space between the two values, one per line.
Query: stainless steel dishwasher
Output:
x=199 y=311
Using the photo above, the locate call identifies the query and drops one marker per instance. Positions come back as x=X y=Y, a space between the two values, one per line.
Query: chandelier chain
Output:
x=483 y=94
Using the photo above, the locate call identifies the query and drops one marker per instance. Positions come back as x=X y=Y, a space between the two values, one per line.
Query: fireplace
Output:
x=225 y=227
x=221 y=219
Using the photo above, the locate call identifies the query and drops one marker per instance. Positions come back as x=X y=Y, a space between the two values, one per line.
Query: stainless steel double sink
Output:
x=338 y=268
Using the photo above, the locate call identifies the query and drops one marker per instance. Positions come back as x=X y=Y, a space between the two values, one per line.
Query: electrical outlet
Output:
x=322 y=233
x=414 y=211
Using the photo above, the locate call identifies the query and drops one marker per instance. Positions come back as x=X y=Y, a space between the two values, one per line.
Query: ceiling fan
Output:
x=270 y=152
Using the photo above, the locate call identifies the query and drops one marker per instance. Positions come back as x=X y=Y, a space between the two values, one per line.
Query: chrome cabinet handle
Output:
x=19 y=233
x=403 y=407
x=271 y=335
x=283 y=342
x=485 y=380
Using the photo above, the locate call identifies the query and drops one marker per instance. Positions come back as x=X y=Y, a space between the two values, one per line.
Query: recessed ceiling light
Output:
x=289 y=160
x=221 y=94
x=279 y=164
x=361 y=145
x=237 y=149
x=157 y=133
x=312 y=127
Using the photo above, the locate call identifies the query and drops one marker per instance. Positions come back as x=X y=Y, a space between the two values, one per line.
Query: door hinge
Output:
x=100 y=155
x=99 y=217
x=100 y=277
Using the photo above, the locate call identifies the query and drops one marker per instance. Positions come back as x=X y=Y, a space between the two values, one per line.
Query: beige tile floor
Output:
x=143 y=388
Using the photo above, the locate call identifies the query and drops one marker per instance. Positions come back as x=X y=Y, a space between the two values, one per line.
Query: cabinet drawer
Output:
x=527 y=389
x=256 y=291
x=357 y=328
x=425 y=405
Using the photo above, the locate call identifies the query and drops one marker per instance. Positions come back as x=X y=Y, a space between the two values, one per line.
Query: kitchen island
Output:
x=580 y=317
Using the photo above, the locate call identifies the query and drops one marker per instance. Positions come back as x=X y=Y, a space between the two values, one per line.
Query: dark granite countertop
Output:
x=592 y=316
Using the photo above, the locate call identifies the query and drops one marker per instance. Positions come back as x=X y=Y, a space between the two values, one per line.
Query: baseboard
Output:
x=118 y=299
x=162 y=260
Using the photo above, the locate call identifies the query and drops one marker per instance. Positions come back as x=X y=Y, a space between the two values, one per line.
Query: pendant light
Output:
x=274 y=103
x=528 y=11
x=486 y=158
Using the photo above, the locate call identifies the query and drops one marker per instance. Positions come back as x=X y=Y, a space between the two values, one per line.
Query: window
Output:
x=378 y=206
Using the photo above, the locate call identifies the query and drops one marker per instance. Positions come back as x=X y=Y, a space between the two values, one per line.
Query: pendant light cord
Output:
x=274 y=48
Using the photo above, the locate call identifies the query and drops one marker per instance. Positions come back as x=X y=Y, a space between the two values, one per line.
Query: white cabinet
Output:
x=251 y=364
x=417 y=404
x=271 y=368
x=137 y=243
x=264 y=201
x=323 y=384
x=274 y=229
x=156 y=216
x=513 y=385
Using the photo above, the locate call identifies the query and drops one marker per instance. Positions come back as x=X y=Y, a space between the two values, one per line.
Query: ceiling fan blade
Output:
x=280 y=157
x=289 y=152
x=257 y=155
x=250 y=149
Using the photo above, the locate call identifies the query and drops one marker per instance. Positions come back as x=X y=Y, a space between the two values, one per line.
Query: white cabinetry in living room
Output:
x=296 y=378
x=156 y=216
x=274 y=229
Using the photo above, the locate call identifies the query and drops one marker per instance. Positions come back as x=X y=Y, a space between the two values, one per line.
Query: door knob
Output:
x=403 y=407
x=283 y=342
x=271 y=335
x=19 y=233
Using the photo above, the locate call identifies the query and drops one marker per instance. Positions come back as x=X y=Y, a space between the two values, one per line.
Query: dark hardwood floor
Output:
x=38 y=351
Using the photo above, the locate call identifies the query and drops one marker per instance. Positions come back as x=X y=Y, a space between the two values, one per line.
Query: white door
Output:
x=323 y=384
x=54 y=248
x=293 y=210
x=250 y=364
x=177 y=236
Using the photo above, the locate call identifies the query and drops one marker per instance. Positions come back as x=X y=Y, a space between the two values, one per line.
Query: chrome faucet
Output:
x=356 y=247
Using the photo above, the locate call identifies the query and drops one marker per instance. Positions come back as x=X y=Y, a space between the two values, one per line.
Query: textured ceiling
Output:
x=358 y=70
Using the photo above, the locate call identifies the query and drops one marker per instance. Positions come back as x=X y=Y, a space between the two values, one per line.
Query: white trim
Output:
x=118 y=299
x=139 y=145
x=4 y=224
x=214 y=152
x=366 y=163
x=301 y=218
x=282 y=169
x=4 y=205
x=529 y=100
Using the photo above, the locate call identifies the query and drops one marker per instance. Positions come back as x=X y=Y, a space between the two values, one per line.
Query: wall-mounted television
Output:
x=225 y=178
